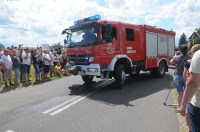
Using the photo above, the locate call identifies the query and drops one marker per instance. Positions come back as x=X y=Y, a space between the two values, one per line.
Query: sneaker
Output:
x=6 y=85
x=11 y=84
x=178 y=110
x=17 y=84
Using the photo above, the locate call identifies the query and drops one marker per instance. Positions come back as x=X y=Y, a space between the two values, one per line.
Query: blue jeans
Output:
x=37 y=70
x=194 y=114
x=180 y=82
x=16 y=72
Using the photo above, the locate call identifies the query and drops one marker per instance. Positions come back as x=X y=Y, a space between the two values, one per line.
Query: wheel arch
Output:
x=163 y=60
x=120 y=59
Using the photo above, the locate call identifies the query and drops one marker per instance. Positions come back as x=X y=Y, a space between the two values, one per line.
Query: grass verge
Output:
x=26 y=84
x=182 y=121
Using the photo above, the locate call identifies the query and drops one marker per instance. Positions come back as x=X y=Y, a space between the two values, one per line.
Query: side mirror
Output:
x=65 y=41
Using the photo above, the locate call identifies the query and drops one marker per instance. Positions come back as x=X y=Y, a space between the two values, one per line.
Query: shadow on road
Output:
x=134 y=88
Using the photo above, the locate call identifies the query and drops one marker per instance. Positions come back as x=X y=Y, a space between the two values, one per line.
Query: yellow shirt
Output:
x=56 y=68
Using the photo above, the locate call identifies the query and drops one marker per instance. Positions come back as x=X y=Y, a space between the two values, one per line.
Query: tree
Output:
x=56 y=46
x=198 y=30
x=183 y=39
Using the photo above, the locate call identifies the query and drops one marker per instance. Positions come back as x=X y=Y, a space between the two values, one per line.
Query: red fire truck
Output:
x=107 y=49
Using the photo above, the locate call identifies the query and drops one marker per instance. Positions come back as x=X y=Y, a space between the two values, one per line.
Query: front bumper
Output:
x=92 y=69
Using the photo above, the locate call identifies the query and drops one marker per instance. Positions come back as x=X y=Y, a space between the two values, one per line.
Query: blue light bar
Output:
x=92 y=18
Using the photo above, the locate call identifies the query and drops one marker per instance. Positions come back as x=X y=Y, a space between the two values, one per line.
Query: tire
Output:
x=87 y=78
x=159 y=71
x=120 y=76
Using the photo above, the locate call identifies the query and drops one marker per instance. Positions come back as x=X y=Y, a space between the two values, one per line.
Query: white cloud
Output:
x=41 y=21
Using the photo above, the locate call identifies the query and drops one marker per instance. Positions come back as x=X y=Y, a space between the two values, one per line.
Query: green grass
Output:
x=182 y=121
x=26 y=84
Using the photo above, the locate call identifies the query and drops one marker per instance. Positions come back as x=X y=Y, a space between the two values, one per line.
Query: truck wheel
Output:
x=87 y=78
x=159 y=71
x=120 y=76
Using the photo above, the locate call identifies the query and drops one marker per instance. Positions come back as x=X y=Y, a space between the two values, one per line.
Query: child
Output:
x=64 y=71
x=57 y=70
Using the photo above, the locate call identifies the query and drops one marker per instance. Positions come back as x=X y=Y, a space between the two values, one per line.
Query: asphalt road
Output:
x=68 y=105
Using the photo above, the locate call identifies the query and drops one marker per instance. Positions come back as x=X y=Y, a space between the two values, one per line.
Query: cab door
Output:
x=109 y=43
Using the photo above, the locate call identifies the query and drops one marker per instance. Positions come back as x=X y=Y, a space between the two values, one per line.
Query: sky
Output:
x=36 y=22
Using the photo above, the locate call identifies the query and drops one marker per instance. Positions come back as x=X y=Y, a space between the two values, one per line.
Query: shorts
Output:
x=179 y=82
x=194 y=114
x=36 y=67
x=25 y=68
x=46 y=68
x=1 y=77
x=8 y=74
x=42 y=71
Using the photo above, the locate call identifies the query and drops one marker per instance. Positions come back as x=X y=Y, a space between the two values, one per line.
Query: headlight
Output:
x=92 y=69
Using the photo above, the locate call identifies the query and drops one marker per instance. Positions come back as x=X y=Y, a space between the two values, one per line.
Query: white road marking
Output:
x=60 y=105
x=9 y=131
x=73 y=101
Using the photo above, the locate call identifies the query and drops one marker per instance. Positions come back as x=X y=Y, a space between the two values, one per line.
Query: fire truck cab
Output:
x=107 y=49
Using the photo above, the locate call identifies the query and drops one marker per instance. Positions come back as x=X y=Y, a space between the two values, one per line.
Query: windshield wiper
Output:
x=84 y=44
x=70 y=45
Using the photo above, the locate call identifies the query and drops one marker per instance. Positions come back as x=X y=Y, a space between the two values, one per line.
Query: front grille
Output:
x=79 y=59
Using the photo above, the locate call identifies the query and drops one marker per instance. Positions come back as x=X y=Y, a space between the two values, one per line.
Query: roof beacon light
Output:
x=92 y=18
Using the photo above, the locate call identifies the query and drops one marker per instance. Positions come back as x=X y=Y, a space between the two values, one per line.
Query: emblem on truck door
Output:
x=110 y=49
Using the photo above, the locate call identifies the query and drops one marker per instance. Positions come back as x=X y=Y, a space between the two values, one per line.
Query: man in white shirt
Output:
x=26 y=62
x=7 y=67
x=46 y=61
x=192 y=93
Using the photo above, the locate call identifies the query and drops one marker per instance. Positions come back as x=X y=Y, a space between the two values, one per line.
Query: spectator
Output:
x=192 y=94
x=51 y=66
x=1 y=74
x=63 y=59
x=41 y=65
x=178 y=79
x=1 y=52
x=16 y=66
x=35 y=56
x=186 y=74
x=7 y=67
x=21 y=64
x=26 y=60
x=64 y=71
x=57 y=70
x=55 y=58
x=46 y=61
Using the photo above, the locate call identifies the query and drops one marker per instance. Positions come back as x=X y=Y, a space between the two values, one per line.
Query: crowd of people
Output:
x=187 y=81
x=19 y=60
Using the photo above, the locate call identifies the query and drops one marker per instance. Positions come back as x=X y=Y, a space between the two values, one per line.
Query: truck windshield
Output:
x=82 y=36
